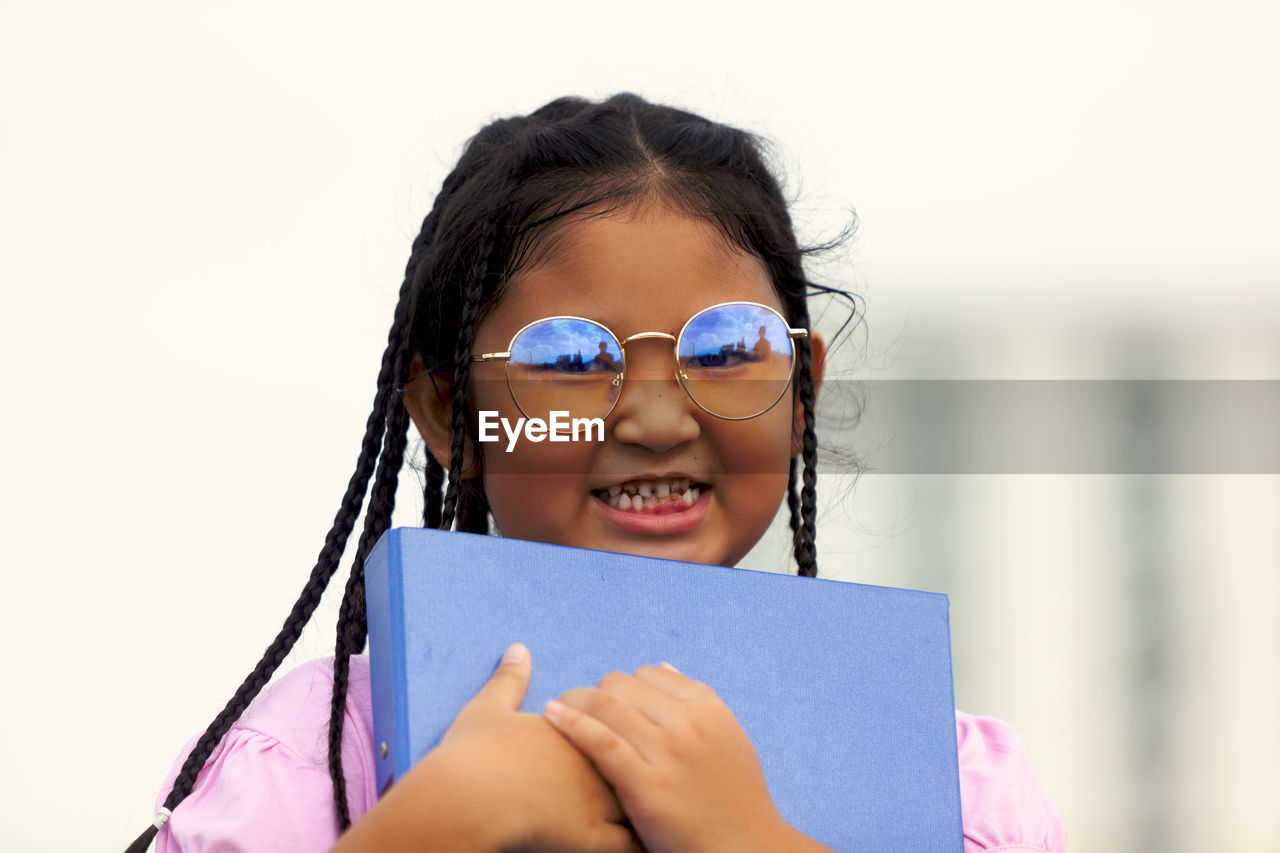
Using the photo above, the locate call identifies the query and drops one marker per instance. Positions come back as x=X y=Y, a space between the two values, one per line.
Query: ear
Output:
x=818 y=367
x=428 y=397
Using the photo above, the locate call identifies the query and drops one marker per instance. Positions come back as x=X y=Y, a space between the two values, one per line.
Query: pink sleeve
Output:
x=254 y=795
x=1004 y=805
x=267 y=787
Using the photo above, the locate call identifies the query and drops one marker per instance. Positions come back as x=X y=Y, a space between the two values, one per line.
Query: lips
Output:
x=672 y=519
x=654 y=505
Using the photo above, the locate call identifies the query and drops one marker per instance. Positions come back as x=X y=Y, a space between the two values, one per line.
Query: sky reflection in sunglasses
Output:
x=735 y=360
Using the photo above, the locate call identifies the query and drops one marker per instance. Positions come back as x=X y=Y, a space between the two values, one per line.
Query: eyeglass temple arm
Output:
x=797 y=333
x=490 y=356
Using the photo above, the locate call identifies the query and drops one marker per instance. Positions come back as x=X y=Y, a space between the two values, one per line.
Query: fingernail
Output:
x=554 y=709
x=666 y=665
x=515 y=653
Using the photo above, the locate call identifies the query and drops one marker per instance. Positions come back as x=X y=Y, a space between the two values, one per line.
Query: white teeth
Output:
x=647 y=494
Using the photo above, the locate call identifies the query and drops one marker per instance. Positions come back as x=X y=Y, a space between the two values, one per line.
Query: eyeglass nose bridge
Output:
x=640 y=336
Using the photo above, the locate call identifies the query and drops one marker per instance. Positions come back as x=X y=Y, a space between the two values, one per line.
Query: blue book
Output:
x=844 y=689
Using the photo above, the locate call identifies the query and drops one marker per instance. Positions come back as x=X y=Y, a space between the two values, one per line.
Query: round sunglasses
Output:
x=734 y=359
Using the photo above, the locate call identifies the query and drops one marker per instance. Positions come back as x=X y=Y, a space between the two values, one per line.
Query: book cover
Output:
x=844 y=689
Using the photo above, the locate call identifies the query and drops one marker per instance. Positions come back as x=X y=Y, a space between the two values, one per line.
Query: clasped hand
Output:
x=684 y=771
x=652 y=761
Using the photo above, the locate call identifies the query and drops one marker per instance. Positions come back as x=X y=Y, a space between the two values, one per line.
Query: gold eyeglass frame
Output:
x=681 y=377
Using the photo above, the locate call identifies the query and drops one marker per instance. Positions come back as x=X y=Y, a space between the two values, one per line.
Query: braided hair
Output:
x=516 y=178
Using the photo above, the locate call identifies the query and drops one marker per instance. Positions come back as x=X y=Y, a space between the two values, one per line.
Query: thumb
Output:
x=510 y=681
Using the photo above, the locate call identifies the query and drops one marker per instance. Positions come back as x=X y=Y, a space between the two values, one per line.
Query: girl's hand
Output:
x=683 y=768
x=498 y=781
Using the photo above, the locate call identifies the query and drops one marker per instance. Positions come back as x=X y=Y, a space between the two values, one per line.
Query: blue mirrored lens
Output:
x=565 y=364
x=736 y=359
x=733 y=336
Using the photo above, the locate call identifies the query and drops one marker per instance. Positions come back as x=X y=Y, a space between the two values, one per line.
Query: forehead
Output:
x=647 y=269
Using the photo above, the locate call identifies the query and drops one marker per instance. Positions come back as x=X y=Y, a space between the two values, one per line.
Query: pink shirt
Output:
x=267 y=788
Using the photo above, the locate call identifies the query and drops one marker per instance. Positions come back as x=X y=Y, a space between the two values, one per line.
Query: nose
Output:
x=653 y=411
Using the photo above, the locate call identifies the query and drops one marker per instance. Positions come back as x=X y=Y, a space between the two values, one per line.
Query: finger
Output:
x=657 y=705
x=672 y=682
x=510 y=681
x=615 y=758
x=617 y=714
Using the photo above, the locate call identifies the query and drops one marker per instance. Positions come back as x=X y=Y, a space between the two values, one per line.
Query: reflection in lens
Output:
x=565 y=364
x=736 y=359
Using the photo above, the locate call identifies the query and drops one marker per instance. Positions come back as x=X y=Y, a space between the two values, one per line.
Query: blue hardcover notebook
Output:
x=844 y=689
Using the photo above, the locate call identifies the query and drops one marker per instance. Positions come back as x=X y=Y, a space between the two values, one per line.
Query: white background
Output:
x=204 y=218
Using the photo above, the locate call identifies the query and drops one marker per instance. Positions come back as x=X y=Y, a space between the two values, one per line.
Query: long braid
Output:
x=473 y=511
x=806 y=544
x=431 y=493
x=793 y=505
x=347 y=630
x=473 y=516
x=459 y=421
x=352 y=628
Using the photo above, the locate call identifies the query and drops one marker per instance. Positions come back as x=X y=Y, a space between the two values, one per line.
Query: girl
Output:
x=623 y=229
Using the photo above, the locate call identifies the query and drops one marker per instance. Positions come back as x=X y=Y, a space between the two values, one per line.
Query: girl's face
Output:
x=646 y=270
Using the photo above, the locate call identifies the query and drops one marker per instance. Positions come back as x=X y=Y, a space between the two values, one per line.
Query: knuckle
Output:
x=699 y=728
x=608 y=743
x=599 y=702
x=613 y=680
x=705 y=694
x=680 y=730
x=708 y=712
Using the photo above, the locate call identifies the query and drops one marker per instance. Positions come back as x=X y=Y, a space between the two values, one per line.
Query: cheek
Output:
x=491 y=395
x=535 y=489
x=760 y=447
x=756 y=455
x=536 y=508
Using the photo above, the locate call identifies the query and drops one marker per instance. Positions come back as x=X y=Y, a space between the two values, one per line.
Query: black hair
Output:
x=517 y=178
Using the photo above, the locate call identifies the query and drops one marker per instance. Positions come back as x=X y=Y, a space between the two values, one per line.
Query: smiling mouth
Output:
x=653 y=497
